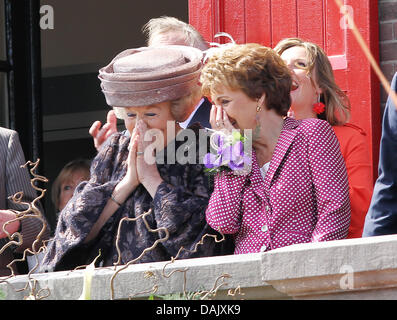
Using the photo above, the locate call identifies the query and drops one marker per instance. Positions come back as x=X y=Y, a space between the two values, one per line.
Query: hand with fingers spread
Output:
x=101 y=134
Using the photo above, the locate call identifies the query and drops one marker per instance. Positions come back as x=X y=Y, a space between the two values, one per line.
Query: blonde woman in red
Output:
x=315 y=94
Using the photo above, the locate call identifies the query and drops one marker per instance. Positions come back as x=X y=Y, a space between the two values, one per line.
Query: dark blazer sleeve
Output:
x=381 y=218
x=202 y=114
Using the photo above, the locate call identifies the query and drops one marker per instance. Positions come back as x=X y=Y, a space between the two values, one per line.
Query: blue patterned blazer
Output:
x=381 y=218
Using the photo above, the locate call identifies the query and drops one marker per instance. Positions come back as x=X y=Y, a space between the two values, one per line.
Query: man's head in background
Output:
x=171 y=31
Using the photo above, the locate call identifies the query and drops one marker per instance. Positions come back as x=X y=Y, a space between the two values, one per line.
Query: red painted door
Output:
x=319 y=21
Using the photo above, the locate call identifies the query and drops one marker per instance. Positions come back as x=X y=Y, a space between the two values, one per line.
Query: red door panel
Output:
x=310 y=17
x=319 y=21
x=258 y=25
x=234 y=19
x=284 y=19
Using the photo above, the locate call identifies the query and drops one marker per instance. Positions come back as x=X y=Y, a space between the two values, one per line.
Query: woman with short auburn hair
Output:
x=257 y=72
x=297 y=189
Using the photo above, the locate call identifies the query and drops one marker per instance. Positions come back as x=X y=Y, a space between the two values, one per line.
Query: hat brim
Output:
x=140 y=89
x=149 y=97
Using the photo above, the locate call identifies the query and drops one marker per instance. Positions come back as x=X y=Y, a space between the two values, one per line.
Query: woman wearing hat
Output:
x=143 y=209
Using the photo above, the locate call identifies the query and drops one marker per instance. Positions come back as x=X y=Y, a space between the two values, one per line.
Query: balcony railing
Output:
x=364 y=268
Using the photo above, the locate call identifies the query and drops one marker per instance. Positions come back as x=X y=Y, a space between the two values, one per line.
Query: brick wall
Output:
x=387 y=40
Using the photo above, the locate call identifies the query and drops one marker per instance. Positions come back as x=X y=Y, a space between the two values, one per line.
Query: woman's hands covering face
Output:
x=131 y=177
x=219 y=119
x=146 y=167
x=142 y=168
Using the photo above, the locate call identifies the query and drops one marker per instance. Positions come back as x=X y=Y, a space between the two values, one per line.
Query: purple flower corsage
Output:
x=229 y=152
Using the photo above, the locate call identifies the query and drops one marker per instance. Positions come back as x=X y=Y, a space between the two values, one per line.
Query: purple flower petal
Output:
x=236 y=165
x=247 y=160
x=240 y=162
x=209 y=160
x=220 y=143
x=238 y=149
x=218 y=161
x=227 y=153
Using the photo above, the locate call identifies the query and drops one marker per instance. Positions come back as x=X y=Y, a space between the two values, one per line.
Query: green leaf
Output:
x=2 y=295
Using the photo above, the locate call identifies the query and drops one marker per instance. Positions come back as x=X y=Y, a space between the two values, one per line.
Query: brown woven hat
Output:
x=149 y=75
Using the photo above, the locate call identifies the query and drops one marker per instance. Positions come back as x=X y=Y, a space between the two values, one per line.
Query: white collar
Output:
x=264 y=169
x=185 y=123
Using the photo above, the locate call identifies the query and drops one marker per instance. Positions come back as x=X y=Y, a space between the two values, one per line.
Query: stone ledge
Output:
x=138 y=280
x=364 y=268
x=351 y=268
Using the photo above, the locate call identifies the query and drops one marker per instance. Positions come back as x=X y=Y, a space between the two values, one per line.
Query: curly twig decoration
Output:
x=32 y=211
x=214 y=289
x=142 y=216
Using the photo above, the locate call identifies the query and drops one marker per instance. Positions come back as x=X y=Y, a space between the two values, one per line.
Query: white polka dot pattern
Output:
x=303 y=198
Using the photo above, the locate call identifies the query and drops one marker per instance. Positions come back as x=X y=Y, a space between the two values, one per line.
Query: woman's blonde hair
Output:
x=82 y=165
x=252 y=68
x=337 y=110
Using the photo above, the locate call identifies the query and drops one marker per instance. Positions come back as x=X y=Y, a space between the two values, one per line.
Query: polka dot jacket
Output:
x=304 y=196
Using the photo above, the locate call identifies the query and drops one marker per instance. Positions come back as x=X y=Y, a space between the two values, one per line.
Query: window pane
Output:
x=4 y=122
x=3 y=55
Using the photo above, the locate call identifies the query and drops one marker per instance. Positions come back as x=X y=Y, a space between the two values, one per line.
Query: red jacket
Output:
x=303 y=198
x=353 y=146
